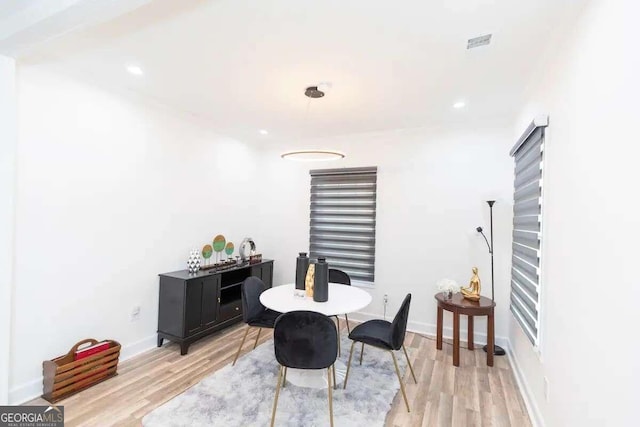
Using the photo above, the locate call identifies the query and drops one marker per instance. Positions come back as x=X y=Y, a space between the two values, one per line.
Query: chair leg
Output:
x=346 y=318
x=335 y=384
x=284 y=380
x=257 y=337
x=275 y=402
x=361 y=353
x=330 y=393
x=395 y=363
x=338 y=320
x=241 y=344
x=409 y=363
x=349 y=364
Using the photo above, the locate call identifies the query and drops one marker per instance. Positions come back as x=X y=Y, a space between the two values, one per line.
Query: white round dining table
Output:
x=343 y=299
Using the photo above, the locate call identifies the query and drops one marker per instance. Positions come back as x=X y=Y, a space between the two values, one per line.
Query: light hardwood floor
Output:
x=470 y=395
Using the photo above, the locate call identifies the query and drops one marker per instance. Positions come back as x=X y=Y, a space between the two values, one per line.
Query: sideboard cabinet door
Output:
x=267 y=274
x=193 y=311
x=264 y=272
x=210 y=293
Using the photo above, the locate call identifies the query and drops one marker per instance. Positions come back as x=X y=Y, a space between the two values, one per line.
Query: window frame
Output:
x=350 y=178
x=540 y=123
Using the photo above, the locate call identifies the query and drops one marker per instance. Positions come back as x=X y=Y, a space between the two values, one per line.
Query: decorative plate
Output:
x=229 y=248
x=218 y=243
x=207 y=251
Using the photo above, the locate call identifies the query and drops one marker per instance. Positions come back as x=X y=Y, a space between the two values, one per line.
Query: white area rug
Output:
x=242 y=395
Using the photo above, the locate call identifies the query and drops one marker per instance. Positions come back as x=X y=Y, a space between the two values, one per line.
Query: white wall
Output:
x=111 y=192
x=8 y=146
x=432 y=188
x=589 y=353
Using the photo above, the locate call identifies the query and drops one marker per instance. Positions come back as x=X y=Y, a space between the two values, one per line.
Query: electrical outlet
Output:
x=546 y=389
x=135 y=313
x=386 y=299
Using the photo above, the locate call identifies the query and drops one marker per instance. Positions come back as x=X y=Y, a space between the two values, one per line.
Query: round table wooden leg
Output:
x=470 y=332
x=456 y=339
x=439 y=329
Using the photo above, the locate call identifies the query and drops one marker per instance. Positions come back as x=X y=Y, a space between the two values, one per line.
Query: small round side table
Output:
x=459 y=305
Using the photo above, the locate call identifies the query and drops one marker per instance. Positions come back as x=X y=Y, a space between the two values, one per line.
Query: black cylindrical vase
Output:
x=321 y=281
x=302 y=265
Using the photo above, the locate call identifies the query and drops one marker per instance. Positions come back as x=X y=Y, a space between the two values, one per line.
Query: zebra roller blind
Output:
x=527 y=210
x=343 y=220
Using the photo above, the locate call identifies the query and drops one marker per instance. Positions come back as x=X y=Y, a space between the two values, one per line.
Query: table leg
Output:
x=456 y=339
x=439 y=330
x=470 y=332
x=490 y=339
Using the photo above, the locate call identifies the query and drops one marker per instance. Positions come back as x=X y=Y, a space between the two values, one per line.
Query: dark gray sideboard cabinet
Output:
x=192 y=306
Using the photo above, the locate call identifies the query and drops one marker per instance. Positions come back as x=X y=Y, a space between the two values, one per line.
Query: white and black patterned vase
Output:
x=193 y=263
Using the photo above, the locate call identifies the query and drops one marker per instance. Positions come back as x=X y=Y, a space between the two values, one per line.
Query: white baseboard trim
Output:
x=535 y=415
x=25 y=392
x=134 y=349
x=430 y=329
x=33 y=389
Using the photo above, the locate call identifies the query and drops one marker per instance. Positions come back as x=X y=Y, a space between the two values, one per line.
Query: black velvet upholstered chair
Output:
x=305 y=340
x=254 y=314
x=339 y=276
x=387 y=336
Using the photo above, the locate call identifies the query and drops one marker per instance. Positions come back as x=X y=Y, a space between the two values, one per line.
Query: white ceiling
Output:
x=9 y=7
x=243 y=64
x=25 y=24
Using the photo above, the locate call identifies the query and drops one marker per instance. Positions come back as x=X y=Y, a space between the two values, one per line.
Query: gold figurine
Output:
x=473 y=291
x=309 y=280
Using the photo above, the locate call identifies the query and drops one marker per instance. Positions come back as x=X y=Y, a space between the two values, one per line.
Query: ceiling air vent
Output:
x=479 y=41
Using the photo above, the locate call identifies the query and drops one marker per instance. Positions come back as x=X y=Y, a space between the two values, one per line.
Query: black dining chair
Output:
x=254 y=314
x=305 y=340
x=387 y=336
x=339 y=276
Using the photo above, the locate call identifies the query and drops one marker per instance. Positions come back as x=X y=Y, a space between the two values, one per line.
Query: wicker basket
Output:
x=64 y=376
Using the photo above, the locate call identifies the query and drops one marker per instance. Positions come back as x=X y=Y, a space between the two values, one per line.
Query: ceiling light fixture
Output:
x=135 y=70
x=263 y=132
x=313 y=155
x=313 y=92
x=458 y=105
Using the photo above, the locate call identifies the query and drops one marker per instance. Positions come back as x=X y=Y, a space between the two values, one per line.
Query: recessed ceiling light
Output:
x=458 y=105
x=263 y=132
x=135 y=70
x=313 y=155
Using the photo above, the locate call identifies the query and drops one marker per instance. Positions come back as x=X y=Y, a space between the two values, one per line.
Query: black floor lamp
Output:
x=497 y=350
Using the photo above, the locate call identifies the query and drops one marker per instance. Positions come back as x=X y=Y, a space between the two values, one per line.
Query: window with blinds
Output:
x=527 y=211
x=343 y=220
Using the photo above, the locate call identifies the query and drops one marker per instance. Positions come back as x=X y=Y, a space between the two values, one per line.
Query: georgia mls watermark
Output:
x=31 y=416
